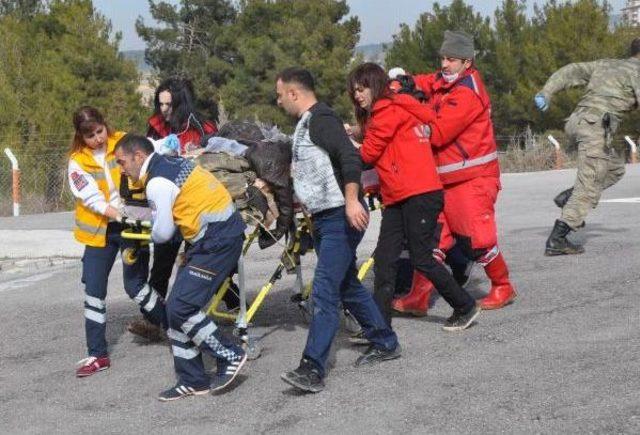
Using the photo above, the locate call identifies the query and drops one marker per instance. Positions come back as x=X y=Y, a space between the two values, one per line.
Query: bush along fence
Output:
x=528 y=152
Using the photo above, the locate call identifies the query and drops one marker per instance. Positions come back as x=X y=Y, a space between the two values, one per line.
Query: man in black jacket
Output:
x=326 y=178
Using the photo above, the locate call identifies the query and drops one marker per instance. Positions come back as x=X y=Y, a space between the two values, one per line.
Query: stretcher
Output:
x=299 y=242
x=140 y=232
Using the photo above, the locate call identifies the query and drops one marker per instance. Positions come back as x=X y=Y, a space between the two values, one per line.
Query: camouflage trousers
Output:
x=599 y=165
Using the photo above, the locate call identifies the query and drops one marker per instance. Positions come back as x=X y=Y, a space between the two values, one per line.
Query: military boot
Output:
x=562 y=198
x=416 y=302
x=557 y=243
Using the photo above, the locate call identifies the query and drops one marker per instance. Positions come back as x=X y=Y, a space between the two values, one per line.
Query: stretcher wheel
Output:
x=129 y=256
x=249 y=344
x=253 y=349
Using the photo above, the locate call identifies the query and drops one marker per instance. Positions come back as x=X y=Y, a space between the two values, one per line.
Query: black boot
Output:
x=561 y=200
x=557 y=243
x=562 y=197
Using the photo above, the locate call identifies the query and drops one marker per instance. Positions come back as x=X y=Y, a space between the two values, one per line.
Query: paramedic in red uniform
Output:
x=467 y=161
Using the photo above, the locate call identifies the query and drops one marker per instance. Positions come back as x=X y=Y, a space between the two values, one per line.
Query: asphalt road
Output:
x=564 y=358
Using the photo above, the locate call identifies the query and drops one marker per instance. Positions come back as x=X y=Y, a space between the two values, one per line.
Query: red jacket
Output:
x=462 y=136
x=159 y=128
x=396 y=143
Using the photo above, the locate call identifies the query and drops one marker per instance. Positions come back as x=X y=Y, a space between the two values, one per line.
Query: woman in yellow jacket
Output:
x=94 y=179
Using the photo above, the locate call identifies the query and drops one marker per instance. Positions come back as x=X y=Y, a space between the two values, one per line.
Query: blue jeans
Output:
x=336 y=280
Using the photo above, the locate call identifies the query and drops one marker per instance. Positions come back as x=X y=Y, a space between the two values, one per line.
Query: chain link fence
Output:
x=43 y=183
x=44 y=186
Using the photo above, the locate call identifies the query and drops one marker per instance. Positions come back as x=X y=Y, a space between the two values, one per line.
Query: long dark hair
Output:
x=85 y=120
x=183 y=104
x=372 y=76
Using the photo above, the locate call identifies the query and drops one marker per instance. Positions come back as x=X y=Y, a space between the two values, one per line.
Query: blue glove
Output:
x=541 y=102
x=172 y=142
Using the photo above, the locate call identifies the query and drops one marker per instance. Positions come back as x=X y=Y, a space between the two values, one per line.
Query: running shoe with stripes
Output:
x=180 y=391
x=90 y=365
x=227 y=372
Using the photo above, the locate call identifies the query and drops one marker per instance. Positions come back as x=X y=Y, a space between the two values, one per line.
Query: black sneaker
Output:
x=374 y=355
x=306 y=377
x=227 y=372
x=180 y=391
x=458 y=322
x=359 y=339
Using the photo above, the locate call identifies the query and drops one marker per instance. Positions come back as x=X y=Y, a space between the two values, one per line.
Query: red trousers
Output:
x=469 y=211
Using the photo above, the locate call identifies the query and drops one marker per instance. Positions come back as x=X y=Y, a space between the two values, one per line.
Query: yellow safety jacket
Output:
x=202 y=199
x=91 y=227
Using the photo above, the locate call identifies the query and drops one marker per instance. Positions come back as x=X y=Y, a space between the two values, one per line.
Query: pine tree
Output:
x=273 y=35
x=54 y=60
x=195 y=41
x=417 y=50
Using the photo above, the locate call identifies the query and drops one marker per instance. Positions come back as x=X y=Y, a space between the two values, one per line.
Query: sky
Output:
x=378 y=20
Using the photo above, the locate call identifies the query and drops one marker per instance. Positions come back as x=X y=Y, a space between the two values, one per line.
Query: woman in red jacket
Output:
x=397 y=144
x=175 y=113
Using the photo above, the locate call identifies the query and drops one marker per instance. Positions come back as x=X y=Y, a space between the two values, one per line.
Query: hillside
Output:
x=137 y=56
x=370 y=52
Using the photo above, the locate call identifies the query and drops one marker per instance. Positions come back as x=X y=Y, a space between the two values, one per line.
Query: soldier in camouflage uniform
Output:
x=612 y=88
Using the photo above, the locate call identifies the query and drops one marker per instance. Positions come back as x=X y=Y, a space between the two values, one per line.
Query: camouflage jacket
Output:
x=613 y=85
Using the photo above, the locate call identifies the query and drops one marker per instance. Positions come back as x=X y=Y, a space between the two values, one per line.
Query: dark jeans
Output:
x=336 y=280
x=414 y=220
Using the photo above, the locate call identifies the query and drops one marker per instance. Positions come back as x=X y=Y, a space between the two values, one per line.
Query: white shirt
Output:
x=85 y=188
x=161 y=194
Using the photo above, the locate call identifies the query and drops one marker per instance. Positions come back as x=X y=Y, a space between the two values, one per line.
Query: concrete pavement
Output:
x=564 y=358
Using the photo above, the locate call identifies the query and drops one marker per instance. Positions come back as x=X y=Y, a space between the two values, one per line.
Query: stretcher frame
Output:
x=291 y=251
x=140 y=232
x=303 y=225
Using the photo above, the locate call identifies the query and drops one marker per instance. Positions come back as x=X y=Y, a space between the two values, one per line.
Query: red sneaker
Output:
x=91 y=365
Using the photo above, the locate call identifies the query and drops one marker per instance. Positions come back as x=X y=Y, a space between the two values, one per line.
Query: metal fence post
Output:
x=15 y=170
x=556 y=145
x=634 y=149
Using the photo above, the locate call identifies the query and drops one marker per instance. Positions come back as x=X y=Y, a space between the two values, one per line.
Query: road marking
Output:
x=623 y=200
